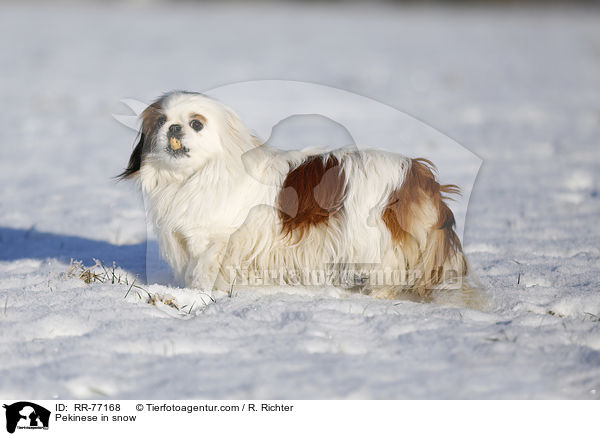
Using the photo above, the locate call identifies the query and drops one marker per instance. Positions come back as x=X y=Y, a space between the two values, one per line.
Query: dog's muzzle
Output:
x=174 y=136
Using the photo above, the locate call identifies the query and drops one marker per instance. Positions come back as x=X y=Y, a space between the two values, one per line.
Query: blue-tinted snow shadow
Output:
x=18 y=244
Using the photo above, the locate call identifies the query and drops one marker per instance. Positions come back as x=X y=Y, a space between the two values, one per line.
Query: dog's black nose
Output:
x=174 y=129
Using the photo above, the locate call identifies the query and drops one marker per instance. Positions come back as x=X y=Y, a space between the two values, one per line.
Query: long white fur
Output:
x=215 y=210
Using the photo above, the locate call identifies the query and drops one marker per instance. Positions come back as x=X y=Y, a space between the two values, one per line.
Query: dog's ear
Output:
x=236 y=138
x=151 y=122
x=135 y=161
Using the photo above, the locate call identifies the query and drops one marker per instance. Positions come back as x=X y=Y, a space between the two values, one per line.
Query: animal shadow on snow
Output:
x=20 y=244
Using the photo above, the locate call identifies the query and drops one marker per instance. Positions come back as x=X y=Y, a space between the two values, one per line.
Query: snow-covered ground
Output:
x=519 y=88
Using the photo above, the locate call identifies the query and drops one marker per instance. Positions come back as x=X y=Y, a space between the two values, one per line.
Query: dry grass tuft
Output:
x=101 y=273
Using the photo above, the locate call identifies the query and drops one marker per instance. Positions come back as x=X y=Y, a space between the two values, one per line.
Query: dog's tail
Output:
x=422 y=224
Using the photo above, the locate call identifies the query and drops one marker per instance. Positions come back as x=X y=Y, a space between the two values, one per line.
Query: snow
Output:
x=517 y=87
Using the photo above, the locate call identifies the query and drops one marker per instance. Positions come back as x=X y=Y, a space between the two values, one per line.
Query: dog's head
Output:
x=182 y=131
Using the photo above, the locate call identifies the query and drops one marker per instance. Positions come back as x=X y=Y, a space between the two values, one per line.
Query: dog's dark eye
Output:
x=160 y=121
x=196 y=125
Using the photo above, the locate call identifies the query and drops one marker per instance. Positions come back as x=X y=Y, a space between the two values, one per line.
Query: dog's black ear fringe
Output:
x=135 y=161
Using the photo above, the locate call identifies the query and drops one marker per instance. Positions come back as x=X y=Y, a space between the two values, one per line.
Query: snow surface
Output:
x=518 y=87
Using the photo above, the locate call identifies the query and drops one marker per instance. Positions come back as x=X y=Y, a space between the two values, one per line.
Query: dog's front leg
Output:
x=203 y=268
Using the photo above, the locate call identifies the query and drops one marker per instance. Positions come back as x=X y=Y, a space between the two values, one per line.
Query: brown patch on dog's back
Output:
x=404 y=203
x=311 y=193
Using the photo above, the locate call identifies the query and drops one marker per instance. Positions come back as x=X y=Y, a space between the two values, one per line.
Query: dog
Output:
x=226 y=206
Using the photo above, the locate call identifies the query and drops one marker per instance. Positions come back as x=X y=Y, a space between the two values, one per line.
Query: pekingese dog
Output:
x=228 y=208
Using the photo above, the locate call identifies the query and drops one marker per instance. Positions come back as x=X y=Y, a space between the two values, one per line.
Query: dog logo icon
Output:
x=26 y=415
